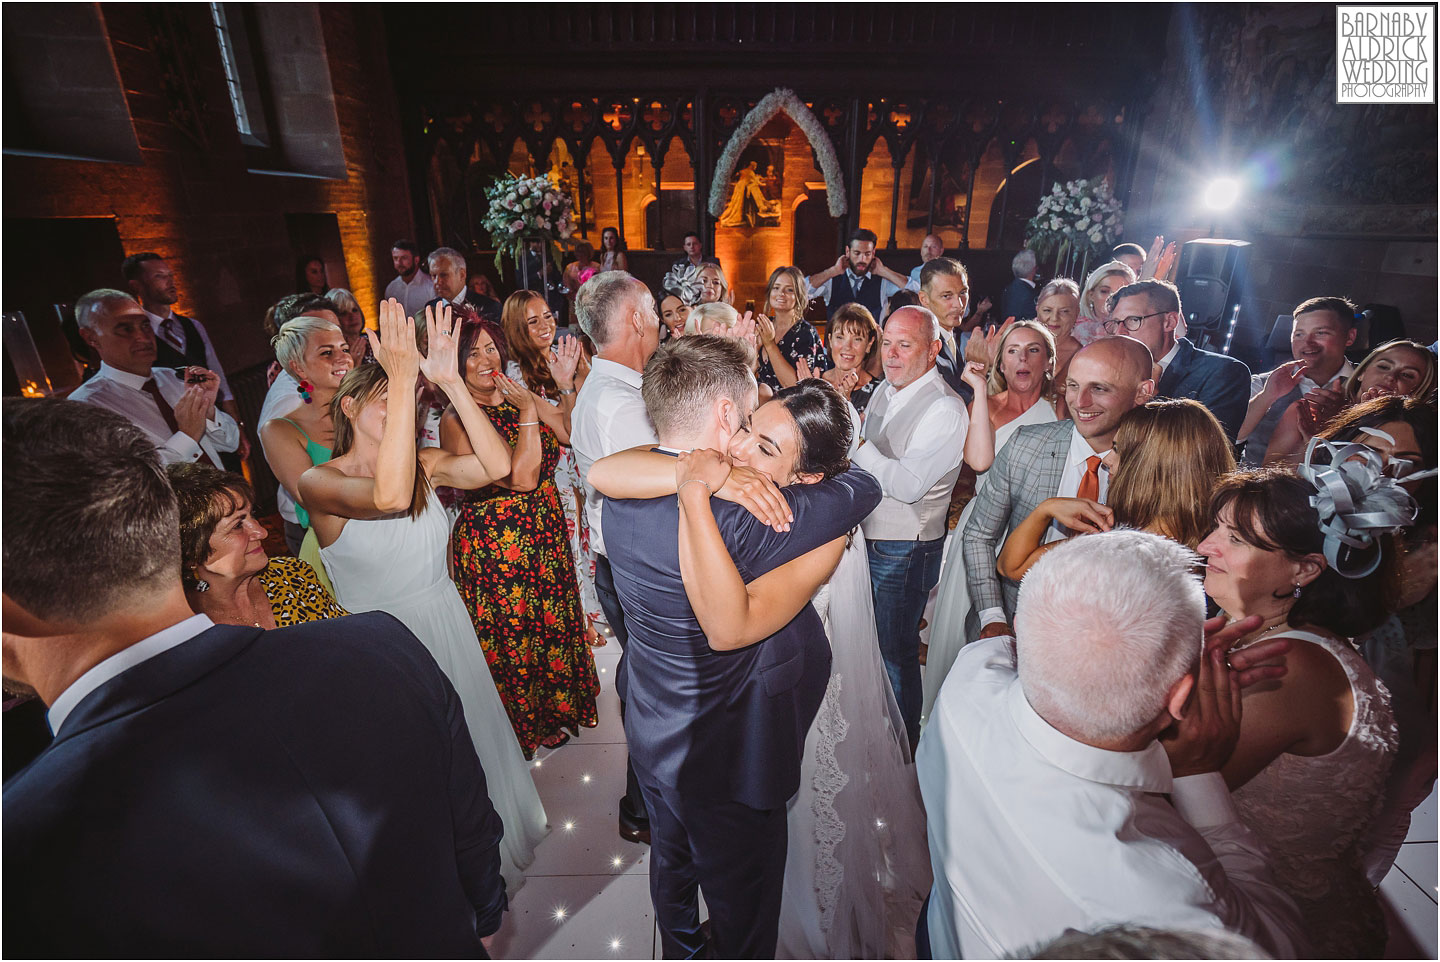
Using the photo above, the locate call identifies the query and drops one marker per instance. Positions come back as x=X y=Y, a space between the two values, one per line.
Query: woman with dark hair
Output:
x=310 y=275
x=786 y=338
x=856 y=870
x=510 y=552
x=612 y=251
x=1314 y=556
x=1401 y=650
x=222 y=557
x=383 y=535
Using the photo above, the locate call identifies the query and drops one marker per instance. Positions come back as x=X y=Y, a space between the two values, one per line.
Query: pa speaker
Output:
x=1211 y=279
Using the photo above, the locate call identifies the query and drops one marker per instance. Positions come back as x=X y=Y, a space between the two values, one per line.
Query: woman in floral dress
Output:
x=511 y=557
x=529 y=328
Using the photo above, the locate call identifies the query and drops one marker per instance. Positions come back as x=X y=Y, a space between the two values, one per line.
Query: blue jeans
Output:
x=902 y=575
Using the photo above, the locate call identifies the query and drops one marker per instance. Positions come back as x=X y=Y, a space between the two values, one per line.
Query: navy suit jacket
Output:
x=950 y=370
x=1018 y=300
x=306 y=792
x=726 y=724
x=1218 y=381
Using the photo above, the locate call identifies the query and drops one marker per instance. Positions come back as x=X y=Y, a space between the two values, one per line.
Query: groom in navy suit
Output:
x=716 y=737
x=214 y=790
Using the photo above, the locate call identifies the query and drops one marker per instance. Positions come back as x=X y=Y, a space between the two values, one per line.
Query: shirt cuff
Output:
x=993 y=616
x=186 y=446
x=911 y=284
x=1204 y=800
x=868 y=457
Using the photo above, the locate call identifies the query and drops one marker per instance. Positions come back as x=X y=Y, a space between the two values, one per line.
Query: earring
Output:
x=1296 y=592
x=305 y=387
x=202 y=585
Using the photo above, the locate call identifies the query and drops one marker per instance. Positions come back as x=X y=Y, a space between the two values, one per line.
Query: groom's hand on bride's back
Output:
x=757 y=494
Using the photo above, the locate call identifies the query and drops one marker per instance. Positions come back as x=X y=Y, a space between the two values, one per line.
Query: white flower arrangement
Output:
x=1080 y=221
x=527 y=208
x=771 y=104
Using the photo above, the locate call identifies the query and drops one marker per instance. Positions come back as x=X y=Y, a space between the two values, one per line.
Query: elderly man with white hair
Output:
x=914 y=438
x=1018 y=298
x=1046 y=790
x=175 y=407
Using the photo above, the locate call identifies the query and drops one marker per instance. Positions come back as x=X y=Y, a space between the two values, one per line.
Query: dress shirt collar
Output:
x=853 y=277
x=1147 y=770
x=122 y=661
x=616 y=370
x=135 y=382
x=1164 y=362
x=156 y=319
x=1026 y=280
x=1081 y=451
x=460 y=298
x=1307 y=384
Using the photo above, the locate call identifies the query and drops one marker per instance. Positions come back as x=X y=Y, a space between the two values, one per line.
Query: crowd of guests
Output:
x=934 y=580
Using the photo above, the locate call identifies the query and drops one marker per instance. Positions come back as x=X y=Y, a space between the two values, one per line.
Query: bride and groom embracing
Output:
x=729 y=663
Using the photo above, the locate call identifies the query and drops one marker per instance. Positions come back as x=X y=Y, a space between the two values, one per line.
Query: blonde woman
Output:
x=352 y=322
x=786 y=338
x=714 y=287
x=1095 y=299
x=1021 y=379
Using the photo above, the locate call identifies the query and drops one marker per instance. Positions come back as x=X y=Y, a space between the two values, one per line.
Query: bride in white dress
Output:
x=857 y=867
x=383 y=536
x=1019 y=382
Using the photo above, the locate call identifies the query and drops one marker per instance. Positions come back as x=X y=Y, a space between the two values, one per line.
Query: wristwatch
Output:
x=567 y=390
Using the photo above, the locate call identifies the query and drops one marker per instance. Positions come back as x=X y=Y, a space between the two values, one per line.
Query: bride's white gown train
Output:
x=857 y=869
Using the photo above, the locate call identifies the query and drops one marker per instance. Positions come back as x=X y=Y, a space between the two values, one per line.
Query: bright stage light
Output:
x=1222 y=193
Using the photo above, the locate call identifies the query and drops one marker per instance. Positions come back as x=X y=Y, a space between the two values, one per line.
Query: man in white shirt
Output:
x=617 y=312
x=931 y=247
x=914 y=431
x=1323 y=327
x=180 y=341
x=1063 y=459
x=413 y=288
x=1045 y=789
x=177 y=413
x=858 y=276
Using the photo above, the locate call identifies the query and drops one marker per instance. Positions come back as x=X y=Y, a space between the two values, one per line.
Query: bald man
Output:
x=1062 y=459
x=930 y=248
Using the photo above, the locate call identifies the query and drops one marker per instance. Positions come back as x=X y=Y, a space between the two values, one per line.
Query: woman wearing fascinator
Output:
x=1313 y=554
x=681 y=291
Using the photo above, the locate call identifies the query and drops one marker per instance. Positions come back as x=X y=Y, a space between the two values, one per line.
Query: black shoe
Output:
x=632 y=828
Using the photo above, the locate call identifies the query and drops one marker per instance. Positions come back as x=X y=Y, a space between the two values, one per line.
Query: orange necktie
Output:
x=1090 y=482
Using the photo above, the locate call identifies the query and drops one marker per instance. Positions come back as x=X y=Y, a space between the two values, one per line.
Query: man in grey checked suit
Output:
x=1106 y=378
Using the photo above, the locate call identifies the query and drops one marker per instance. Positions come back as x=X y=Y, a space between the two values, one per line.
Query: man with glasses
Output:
x=1149 y=312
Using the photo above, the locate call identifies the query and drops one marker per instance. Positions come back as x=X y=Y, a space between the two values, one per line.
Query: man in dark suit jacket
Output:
x=1218 y=381
x=215 y=790
x=716 y=737
x=1018 y=298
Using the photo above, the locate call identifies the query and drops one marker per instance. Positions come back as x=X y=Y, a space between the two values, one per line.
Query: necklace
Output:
x=1241 y=646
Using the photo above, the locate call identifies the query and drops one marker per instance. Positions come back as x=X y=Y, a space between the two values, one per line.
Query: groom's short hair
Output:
x=687 y=375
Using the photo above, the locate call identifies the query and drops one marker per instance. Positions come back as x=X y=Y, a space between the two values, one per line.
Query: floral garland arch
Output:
x=771 y=104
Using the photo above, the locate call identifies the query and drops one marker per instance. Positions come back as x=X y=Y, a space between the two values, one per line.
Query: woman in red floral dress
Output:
x=512 y=559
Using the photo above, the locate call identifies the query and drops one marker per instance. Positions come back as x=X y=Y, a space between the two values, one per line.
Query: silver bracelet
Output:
x=526 y=424
x=567 y=390
x=695 y=481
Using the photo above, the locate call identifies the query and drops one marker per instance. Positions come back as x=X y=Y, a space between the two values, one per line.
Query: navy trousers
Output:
x=735 y=853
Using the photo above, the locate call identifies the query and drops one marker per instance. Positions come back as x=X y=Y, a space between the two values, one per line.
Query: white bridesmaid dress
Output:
x=398 y=565
x=952 y=602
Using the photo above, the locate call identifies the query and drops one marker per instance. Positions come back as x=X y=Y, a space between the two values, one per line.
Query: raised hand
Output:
x=1152 y=258
x=518 y=395
x=841 y=265
x=1318 y=407
x=973 y=375
x=704 y=465
x=208 y=382
x=983 y=346
x=441 y=366
x=847 y=384
x=983 y=307
x=802 y=370
x=1080 y=514
x=1205 y=738
x=565 y=357
x=1284 y=378
x=395 y=349
x=757 y=493
x=741 y=330
x=766 y=327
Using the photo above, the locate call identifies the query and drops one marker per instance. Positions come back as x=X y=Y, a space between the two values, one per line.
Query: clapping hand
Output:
x=396 y=349
x=741 y=330
x=441 y=366
x=984 y=345
x=192 y=410
x=518 y=395
x=766 y=327
x=1160 y=261
x=706 y=466
x=564 y=359
x=847 y=383
x=802 y=370
x=1283 y=379
x=1318 y=407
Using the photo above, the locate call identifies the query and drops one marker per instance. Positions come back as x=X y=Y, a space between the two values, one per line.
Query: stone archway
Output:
x=778 y=101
